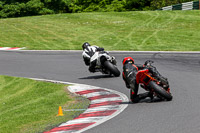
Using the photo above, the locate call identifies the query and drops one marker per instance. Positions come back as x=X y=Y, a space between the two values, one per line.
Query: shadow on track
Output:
x=97 y=77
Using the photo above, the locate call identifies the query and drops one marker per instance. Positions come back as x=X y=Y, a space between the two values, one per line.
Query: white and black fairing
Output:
x=88 y=53
x=105 y=63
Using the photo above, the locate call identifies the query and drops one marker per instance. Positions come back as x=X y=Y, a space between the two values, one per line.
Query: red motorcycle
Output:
x=152 y=84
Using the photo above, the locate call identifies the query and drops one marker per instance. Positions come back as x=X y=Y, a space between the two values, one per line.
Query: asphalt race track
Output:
x=181 y=115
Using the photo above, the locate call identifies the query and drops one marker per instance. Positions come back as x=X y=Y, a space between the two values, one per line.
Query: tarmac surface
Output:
x=181 y=115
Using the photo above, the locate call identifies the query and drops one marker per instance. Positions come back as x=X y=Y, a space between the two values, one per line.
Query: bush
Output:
x=97 y=5
x=45 y=11
x=13 y=8
x=117 y=6
x=32 y=7
x=17 y=8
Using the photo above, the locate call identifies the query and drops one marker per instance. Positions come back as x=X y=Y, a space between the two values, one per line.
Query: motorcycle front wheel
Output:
x=160 y=91
x=113 y=70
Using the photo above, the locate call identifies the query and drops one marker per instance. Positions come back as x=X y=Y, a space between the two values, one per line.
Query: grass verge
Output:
x=138 y=30
x=28 y=106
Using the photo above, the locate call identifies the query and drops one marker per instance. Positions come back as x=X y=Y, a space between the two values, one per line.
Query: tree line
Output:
x=19 y=8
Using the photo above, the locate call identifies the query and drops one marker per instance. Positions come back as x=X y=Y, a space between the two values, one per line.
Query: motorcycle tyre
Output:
x=160 y=91
x=113 y=70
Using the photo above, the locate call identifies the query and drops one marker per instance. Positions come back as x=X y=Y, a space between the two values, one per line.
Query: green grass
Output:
x=139 y=31
x=28 y=106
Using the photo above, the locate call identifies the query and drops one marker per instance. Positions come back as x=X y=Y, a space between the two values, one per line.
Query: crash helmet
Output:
x=85 y=45
x=128 y=60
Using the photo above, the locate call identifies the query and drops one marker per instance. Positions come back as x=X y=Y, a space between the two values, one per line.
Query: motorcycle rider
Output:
x=88 y=52
x=130 y=70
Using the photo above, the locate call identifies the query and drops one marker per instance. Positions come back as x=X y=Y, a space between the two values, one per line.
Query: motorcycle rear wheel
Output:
x=114 y=70
x=160 y=91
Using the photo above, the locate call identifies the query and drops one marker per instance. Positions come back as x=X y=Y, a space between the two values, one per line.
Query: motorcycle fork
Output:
x=148 y=78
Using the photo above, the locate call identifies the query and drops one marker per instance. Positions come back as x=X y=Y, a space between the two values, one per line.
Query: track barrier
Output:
x=193 y=5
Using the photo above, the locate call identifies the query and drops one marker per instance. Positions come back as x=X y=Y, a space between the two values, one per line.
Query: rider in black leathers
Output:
x=129 y=76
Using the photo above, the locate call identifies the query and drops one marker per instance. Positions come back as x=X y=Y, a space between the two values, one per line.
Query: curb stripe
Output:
x=82 y=120
x=105 y=103
x=3 y=48
x=16 y=48
x=97 y=94
x=105 y=100
x=96 y=114
x=9 y=48
x=89 y=91
x=81 y=88
x=70 y=127
x=103 y=96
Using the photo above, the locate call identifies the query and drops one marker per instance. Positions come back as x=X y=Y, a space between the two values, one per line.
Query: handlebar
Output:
x=148 y=62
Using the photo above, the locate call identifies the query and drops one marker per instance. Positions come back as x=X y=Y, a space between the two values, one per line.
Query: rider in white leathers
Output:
x=88 y=52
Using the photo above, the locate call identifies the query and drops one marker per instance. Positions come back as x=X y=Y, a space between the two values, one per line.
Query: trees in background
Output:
x=17 y=8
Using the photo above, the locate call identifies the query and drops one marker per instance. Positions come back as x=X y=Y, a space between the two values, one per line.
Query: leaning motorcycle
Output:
x=105 y=63
x=152 y=84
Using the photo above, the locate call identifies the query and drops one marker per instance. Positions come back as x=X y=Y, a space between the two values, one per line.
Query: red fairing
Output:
x=140 y=75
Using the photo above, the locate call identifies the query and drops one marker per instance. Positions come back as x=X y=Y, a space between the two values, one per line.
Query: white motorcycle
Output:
x=105 y=63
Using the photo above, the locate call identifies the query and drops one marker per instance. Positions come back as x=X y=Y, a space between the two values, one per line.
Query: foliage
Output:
x=97 y=5
x=133 y=5
x=17 y=8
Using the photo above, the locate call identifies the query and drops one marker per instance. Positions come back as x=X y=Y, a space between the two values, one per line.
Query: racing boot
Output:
x=144 y=95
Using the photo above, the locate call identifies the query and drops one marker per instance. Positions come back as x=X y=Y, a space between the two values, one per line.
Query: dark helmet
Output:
x=85 y=45
x=128 y=60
